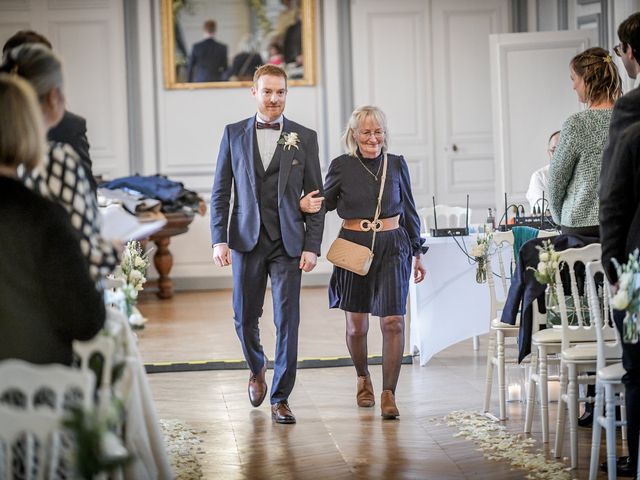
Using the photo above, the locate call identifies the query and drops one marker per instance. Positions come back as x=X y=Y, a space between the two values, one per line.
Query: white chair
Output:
x=608 y=378
x=103 y=348
x=29 y=444
x=27 y=386
x=447 y=217
x=579 y=350
x=498 y=330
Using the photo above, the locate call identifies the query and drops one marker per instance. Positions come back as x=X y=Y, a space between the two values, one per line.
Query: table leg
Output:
x=163 y=261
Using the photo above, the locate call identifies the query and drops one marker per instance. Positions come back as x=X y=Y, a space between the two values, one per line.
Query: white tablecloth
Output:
x=448 y=306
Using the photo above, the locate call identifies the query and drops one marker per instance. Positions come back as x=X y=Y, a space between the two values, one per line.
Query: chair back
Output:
x=30 y=446
x=31 y=387
x=580 y=332
x=98 y=353
x=500 y=255
x=600 y=311
x=448 y=217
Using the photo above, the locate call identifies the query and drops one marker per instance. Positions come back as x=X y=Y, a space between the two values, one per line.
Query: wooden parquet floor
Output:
x=333 y=439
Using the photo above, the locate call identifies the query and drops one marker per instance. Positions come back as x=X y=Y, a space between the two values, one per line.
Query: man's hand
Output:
x=308 y=261
x=222 y=255
x=419 y=271
x=311 y=204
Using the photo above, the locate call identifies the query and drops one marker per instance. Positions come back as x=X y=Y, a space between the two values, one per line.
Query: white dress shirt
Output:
x=538 y=186
x=267 y=140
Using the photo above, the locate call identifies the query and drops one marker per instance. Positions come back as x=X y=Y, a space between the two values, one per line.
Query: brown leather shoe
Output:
x=281 y=413
x=365 y=396
x=258 y=387
x=388 y=405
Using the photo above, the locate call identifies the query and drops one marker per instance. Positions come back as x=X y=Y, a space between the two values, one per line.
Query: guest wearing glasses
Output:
x=47 y=298
x=575 y=166
x=352 y=186
x=619 y=217
x=538 y=183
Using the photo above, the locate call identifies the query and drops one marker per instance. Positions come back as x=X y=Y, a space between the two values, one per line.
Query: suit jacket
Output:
x=616 y=211
x=620 y=202
x=72 y=130
x=299 y=172
x=208 y=61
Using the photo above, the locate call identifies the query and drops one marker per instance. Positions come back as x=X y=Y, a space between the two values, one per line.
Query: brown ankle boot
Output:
x=388 y=405
x=364 y=396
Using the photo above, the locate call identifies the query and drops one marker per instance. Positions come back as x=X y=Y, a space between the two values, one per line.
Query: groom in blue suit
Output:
x=269 y=161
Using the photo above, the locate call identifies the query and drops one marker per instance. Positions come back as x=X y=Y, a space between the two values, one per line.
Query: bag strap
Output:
x=378 y=208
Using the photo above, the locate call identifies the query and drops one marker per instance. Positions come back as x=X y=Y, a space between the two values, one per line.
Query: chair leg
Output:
x=596 y=432
x=557 y=448
x=543 y=378
x=610 y=408
x=531 y=399
x=489 y=378
x=502 y=388
x=572 y=402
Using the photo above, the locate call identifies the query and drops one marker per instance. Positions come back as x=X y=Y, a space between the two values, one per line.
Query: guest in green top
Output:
x=575 y=166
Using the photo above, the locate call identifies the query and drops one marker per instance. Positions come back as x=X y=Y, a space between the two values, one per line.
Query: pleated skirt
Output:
x=383 y=291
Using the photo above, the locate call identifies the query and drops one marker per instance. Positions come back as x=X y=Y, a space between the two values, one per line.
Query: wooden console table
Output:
x=177 y=224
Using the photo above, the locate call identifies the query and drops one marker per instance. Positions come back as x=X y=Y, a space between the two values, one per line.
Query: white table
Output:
x=448 y=306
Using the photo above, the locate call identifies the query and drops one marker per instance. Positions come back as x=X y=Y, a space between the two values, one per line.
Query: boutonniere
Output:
x=289 y=140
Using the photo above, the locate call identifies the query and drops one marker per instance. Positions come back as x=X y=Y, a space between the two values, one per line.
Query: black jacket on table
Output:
x=525 y=288
x=47 y=298
x=72 y=130
x=620 y=201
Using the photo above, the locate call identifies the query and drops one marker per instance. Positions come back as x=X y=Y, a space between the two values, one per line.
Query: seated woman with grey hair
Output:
x=47 y=298
x=62 y=177
x=352 y=187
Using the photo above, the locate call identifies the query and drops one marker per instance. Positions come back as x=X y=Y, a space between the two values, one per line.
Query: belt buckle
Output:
x=366 y=225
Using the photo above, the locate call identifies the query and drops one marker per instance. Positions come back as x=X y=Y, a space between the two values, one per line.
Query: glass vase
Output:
x=630 y=328
x=552 y=306
x=481 y=270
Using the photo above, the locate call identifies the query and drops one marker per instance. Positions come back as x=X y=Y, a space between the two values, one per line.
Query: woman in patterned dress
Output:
x=575 y=166
x=352 y=186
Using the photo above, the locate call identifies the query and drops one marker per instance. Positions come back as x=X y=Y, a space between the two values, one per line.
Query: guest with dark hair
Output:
x=47 y=298
x=575 y=166
x=61 y=178
x=539 y=178
x=72 y=129
x=208 y=59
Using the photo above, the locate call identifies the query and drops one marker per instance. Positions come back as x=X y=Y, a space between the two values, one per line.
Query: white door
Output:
x=462 y=95
x=532 y=95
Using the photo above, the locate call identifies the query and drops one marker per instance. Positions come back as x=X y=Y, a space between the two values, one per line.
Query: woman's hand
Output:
x=311 y=204
x=419 y=271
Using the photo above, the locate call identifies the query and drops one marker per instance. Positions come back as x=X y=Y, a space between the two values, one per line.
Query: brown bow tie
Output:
x=272 y=126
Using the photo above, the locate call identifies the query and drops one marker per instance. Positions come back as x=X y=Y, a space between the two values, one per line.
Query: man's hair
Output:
x=25 y=36
x=269 y=69
x=557 y=132
x=601 y=78
x=629 y=34
x=21 y=123
x=210 y=26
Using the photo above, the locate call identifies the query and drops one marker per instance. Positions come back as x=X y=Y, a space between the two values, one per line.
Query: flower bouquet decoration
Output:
x=627 y=297
x=480 y=252
x=546 y=275
x=132 y=270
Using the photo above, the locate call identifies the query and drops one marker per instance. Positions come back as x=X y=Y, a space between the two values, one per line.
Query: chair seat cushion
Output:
x=548 y=335
x=581 y=352
x=496 y=323
x=612 y=373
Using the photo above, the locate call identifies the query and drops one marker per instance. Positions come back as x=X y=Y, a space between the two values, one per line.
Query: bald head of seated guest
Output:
x=538 y=183
x=72 y=129
x=62 y=177
x=47 y=297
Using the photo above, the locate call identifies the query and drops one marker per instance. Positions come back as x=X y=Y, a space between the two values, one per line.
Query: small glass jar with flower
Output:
x=627 y=296
x=545 y=274
x=132 y=271
x=480 y=252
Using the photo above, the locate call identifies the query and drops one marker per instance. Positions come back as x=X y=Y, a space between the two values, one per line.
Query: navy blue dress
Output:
x=352 y=188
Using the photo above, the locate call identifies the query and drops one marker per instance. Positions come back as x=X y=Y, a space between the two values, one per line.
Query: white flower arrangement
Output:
x=548 y=259
x=480 y=251
x=288 y=140
x=131 y=271
x=627 y=297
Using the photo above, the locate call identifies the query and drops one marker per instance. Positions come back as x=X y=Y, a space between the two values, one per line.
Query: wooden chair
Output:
x=608 y=377
x=579 y=351
x=503 y=242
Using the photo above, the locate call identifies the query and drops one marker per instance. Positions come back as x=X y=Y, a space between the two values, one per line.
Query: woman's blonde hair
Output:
x=358 y=116
x=601 y=79
x=22 y=134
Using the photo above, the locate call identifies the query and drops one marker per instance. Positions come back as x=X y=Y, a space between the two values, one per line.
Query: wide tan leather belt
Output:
x=364 y=225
